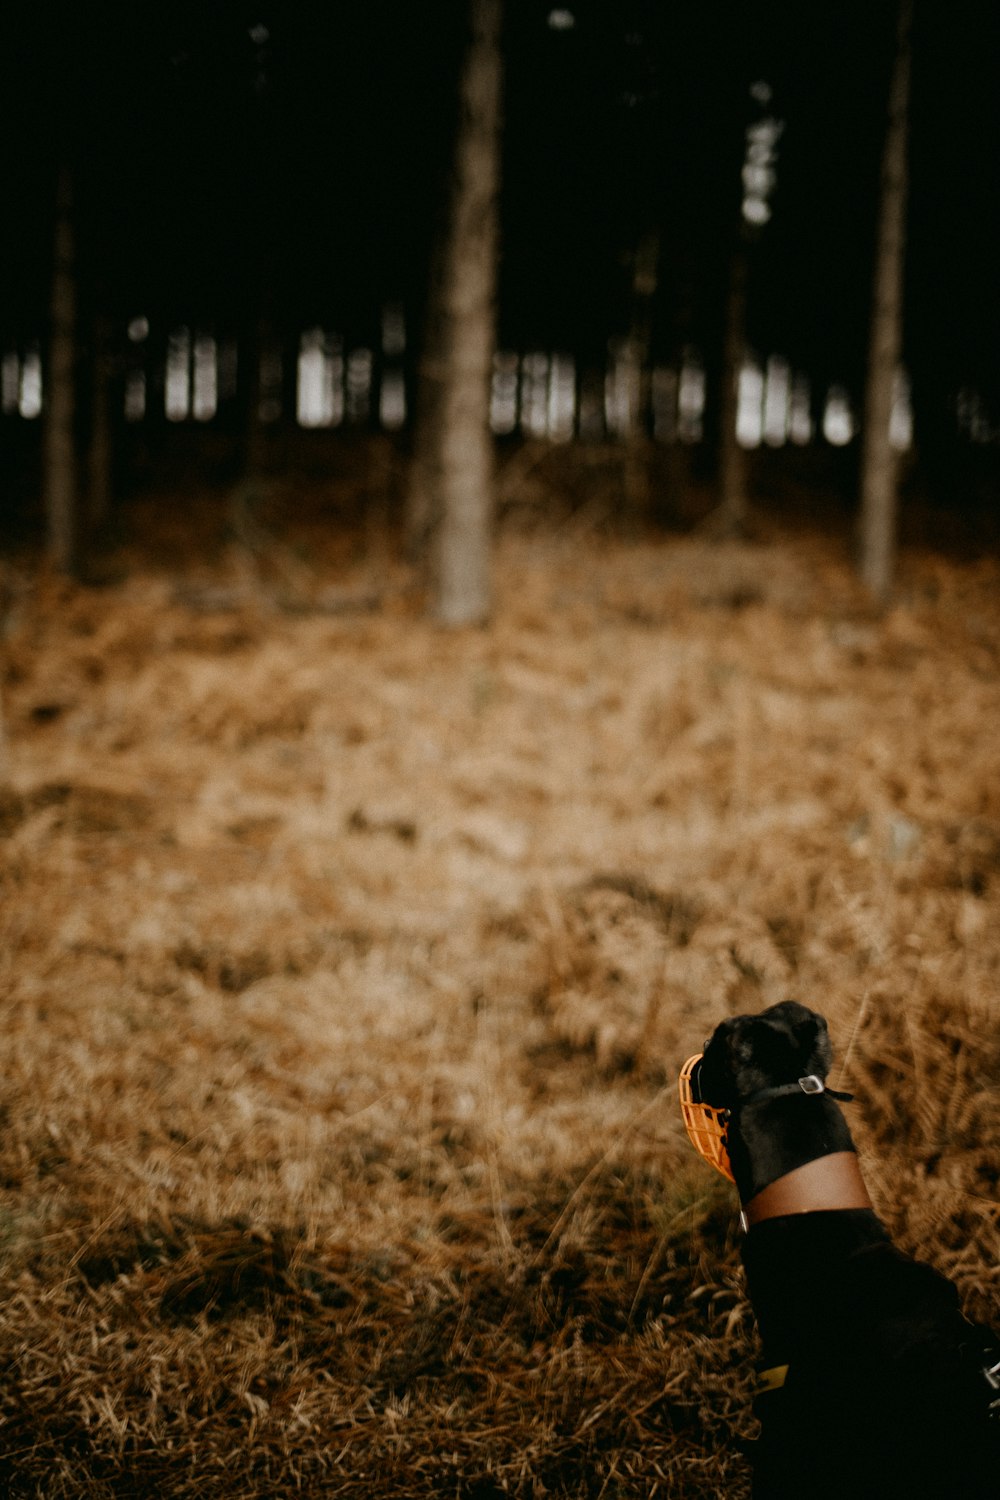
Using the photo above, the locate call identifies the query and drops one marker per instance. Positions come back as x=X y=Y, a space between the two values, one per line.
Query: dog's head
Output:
x=749 y=1053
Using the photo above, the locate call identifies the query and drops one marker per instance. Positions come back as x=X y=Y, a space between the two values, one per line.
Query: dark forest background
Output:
x=285 y=165
x=348 y=963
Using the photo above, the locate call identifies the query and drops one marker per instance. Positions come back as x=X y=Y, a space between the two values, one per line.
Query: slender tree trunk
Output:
x=254 y=435
x=60 y=481
x=879 y=464
x=100 y=475
x=636 y=457
x=731 y=516
x=461 y=461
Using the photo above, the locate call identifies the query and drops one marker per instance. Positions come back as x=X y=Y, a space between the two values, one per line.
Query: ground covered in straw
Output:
x=346 y=967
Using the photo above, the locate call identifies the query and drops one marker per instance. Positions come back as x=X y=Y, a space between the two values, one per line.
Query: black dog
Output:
x=872 y=1384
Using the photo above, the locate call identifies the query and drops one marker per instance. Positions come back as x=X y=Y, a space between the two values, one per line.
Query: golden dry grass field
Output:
x=346 y=967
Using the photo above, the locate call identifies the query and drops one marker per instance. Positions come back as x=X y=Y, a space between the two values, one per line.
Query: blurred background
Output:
x=347 y=963
x=252 y=197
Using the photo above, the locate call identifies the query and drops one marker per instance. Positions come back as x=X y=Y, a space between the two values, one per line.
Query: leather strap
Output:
x=828 y=1182
x=810 y=1085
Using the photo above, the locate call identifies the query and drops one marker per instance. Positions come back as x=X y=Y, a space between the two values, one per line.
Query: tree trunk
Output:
x=60 y=483
x=758 y=180
x=731 y=517
x=254 y=434
x=100 y=475
x=459 y=450
x=645 y=274
x=879 y=465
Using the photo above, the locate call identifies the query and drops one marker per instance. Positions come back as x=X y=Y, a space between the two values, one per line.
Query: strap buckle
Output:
x=811 y=1084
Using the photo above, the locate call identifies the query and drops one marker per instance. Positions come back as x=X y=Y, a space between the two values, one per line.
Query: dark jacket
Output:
x=884 y=1395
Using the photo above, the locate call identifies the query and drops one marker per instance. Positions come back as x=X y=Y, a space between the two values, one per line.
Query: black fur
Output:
x=750 y=1053
x=885 y=1396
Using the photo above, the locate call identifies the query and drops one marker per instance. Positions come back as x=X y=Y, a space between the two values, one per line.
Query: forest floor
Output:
x=347 y=966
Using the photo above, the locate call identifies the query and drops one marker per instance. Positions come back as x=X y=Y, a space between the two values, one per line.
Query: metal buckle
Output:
x=993 y=1376
x=812 y=1085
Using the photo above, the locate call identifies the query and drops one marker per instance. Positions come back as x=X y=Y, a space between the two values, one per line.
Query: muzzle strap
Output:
x=811 y=1085
x=708 y=1126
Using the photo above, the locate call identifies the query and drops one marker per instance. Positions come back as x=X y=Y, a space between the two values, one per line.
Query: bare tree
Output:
x=645 y=274
x=60 y=480
x=879 y=462
x=100 y=459
x=452 y=493
x=730 y=518
x=758 y=182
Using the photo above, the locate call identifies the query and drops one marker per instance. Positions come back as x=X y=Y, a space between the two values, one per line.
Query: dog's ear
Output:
x=728 y=1069
x=801 y=1035
x=821 y=1055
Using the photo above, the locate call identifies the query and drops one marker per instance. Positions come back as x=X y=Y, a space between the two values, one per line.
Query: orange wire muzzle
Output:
x=706 y=1127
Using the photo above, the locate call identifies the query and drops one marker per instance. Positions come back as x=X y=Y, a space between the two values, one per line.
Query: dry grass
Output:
x=347 y=967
